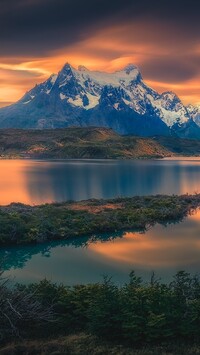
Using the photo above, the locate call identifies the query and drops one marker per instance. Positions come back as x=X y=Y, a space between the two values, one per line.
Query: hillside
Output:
x=81 y=143
x=179 y=146
x=89 y=143
x=75 y=143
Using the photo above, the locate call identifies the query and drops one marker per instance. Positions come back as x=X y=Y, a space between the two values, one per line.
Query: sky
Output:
x=37 y=37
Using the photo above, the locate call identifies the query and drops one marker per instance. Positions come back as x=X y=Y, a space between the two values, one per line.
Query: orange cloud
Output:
x=111 y=49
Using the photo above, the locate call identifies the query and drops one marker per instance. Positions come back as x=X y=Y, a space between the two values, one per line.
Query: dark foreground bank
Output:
x=23 y=224
x=101 y=318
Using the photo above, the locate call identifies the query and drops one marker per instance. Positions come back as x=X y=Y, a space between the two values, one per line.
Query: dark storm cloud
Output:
x=39 y=26
x=35 y=27
x=173 y=69
x=162 y=37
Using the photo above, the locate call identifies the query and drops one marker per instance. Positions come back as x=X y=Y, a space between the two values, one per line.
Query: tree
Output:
x=19 y=310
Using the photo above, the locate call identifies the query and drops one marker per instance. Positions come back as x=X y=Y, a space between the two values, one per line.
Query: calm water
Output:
x=35 y=182
x=164 y=250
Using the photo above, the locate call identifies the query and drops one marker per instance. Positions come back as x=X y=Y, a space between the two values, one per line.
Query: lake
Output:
x=35 y=182
x=164 y=250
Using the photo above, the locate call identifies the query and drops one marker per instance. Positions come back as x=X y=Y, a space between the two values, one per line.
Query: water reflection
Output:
x=162 y=249
x=36 y=182
x=12 y=181
x=17 y=257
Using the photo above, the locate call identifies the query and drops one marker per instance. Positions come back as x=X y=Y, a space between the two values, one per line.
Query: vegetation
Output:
x=20 y=311
x=89 y=143
x=179 y=146
x=21 y=224
x=132 y=315
x=88 y=344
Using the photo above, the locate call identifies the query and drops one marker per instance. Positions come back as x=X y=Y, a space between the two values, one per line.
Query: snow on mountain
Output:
x=170 y=109
x=194 y=112
x=136 y=94
x=120 y=100
x=90 y=83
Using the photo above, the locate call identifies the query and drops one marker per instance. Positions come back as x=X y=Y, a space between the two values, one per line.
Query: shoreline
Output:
x=43 y=159
x=31 y=158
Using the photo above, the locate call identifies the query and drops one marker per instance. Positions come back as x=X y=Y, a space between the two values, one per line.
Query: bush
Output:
x=134 y=313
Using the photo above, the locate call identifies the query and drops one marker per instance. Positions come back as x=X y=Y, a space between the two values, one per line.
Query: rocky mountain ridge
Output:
x=120 y=100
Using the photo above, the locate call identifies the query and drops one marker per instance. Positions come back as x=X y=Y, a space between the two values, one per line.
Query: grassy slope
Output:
x=179 y=146
x=89 y=143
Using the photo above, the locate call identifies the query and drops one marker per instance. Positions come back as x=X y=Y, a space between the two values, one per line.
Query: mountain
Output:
x=119 y=100
x=194 y=112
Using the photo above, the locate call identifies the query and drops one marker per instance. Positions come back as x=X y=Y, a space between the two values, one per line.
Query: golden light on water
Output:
x=36 y=182
x=155 y=248
x=17 y=184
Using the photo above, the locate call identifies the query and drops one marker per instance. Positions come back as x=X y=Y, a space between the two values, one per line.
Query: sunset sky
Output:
x=161 y=37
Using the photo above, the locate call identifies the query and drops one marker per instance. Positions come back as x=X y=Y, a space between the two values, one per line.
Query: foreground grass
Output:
x=23 y=224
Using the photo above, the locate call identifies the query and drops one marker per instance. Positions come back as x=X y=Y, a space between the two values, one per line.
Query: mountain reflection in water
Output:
x=37 y=182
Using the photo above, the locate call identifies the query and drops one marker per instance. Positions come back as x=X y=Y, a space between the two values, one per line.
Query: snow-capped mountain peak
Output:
x=170 y=108
x=82 y=68
x=67 y=66
x=194 y=112
x=120 y=100
x=83 y=88
x=129 y=68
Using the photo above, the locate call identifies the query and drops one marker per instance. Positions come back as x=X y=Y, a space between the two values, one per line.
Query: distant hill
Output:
x=120 y=100
x=89 y=143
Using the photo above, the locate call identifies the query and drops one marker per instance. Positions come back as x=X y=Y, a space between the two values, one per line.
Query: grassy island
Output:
x=23 y=224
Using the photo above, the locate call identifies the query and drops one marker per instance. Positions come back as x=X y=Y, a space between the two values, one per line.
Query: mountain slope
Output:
x=194 y=112
x=119 y=100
